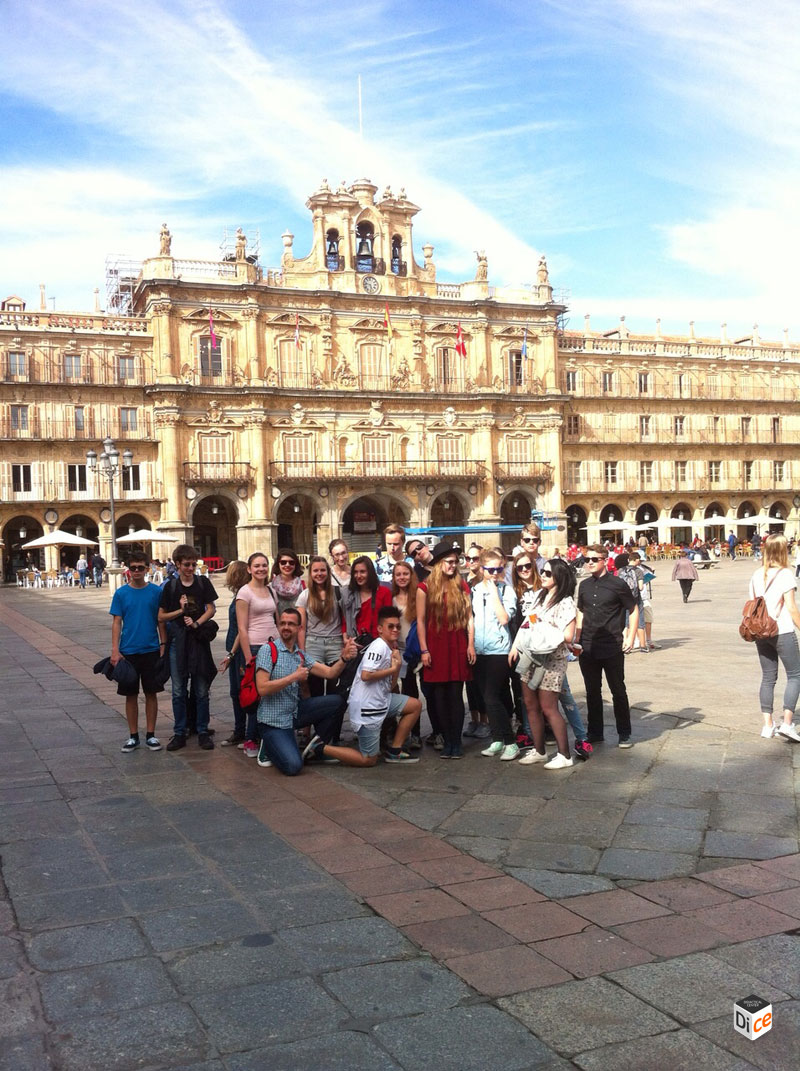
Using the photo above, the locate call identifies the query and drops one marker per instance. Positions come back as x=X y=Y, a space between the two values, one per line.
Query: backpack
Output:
x=248 y=694
x=756 y=621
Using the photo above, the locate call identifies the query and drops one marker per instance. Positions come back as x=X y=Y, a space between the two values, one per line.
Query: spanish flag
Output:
x=387 y=322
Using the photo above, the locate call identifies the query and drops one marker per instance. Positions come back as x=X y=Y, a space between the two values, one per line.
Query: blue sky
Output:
x=650 y=148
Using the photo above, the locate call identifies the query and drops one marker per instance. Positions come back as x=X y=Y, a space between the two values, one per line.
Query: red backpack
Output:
x=248 y=695
x=756 y=621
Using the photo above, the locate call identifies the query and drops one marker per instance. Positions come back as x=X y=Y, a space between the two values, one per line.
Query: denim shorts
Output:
x=369 y=736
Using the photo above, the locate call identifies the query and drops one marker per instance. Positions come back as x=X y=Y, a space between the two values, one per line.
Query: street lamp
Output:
x=108 y=465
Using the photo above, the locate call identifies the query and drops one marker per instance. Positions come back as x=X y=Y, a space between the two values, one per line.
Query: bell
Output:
x=363 y=248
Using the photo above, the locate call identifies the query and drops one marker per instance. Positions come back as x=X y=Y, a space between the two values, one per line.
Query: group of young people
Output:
x=505 y=631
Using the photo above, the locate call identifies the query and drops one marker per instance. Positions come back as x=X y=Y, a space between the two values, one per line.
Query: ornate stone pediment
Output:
x=290 y=319
x=449 y=421
x=214 y=416
x=368 y=324
x=298 y=418
x=200 y=315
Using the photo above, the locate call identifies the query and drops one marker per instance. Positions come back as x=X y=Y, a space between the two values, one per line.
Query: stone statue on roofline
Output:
x=482 y=272
x=166 y=241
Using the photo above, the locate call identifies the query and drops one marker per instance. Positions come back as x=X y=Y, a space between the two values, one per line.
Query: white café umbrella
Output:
x=143 y=535
x=59 y=538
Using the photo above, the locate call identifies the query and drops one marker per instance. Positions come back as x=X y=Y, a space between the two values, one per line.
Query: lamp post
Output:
x=108 y=464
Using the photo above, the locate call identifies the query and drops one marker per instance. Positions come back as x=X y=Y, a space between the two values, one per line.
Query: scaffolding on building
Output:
x=227 y=247
x=122 y=274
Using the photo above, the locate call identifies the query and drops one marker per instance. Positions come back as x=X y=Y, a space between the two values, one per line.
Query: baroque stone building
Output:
x=348 y=388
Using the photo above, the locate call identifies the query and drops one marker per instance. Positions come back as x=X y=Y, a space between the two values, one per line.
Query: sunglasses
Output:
x=524 y=565
x=415 y=551
x=137 y=568
x=450 y=561
x=286 y=561
x=193 y=564
x=394 y=627
x=494 y=569
x=594 y=561
x=547 y=572
x=469 y=559
x=531 y=539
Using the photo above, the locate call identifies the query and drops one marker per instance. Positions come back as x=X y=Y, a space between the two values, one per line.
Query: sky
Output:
x=649 y=148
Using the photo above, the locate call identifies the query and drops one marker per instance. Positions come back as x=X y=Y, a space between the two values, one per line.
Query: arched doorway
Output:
x=611 y=517
x=17 y=531
x=214 y=521
x=680 y=523
x=447 y=511
x=576 y=525
x=297 y=520
x=746 y=520
x=364 y=521
x=714 y=527
x=132 y=522
x=778 y=512
x=515 y=509
x=647 y=521
x=80 y=525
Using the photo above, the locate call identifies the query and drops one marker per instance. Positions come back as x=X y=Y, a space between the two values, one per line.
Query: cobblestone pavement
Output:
x=194 y=911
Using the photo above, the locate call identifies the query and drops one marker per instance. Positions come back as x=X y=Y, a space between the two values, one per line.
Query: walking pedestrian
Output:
x=776 y=585
x=685 y=573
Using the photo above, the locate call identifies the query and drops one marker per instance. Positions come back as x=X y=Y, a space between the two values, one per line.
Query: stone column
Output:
x=174 y=510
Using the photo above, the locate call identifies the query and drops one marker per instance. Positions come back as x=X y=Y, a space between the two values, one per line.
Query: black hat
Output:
x=441 y=550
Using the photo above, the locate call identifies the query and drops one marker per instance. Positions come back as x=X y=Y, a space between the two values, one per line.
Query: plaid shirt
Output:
x=280 y=710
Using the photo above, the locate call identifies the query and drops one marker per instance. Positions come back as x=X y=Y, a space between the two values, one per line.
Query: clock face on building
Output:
x=370 y=284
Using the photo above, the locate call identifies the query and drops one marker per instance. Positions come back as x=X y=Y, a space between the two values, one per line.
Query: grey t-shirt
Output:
x=316 y=627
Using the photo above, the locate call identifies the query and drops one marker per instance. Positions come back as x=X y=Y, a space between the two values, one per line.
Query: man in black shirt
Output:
x=187 y=604
x=603 y=600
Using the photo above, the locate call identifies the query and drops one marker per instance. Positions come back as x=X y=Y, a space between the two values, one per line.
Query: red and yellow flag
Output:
x=387 y=323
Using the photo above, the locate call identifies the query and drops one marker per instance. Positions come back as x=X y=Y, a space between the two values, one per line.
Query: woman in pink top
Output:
x=775 y=582
x=255 y=616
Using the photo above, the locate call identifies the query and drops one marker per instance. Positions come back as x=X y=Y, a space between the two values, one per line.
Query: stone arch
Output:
x=381 y=507
x=448 y=509
x=577 y=518
x=14 y=557
x=91 y=529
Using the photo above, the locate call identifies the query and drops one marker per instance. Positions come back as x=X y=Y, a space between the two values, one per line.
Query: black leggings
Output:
x=446 y=701
x=491 y=679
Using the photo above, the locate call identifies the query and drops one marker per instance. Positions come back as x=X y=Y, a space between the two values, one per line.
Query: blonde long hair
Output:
x=447 y=594
x=236 y=576
x=776 y=552
x=321 y=608
x=413 y=584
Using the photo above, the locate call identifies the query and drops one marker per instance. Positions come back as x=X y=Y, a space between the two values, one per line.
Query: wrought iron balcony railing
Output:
x=386 y=471
x=217 y=472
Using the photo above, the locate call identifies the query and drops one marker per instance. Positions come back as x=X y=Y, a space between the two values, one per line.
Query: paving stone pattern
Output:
x=194 y=911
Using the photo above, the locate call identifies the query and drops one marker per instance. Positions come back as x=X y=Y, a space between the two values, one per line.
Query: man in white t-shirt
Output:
x=372 y=699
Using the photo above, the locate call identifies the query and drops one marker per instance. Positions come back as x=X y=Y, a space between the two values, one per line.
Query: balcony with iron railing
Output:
x=217 y=472
x=95 y=426
x=89 y=372
x=523 y=471
x=385 y=471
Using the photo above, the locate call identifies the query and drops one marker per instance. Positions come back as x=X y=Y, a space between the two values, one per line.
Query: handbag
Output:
x=412 y=651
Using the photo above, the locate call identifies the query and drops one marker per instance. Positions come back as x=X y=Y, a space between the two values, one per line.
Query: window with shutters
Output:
x=778 y=471
x=748 y=473
x=518 y=451
x=573 y=425
x=645 y=427
x=646 y=473
x=608 y=382
x=127 y=419
x=210 y=356
x=745 y=386
x=643 y=382
x=17 y=364
x=297 y=454
x=376 y=454
x=76 y=477
x=80 y=418
x=127 y=367
x=449 y=452
x=681 y=385
x=714 y=471
x=776 y=429
x=610 y=472
x=291 y=359
x=72 y=365
x=131 y=478
x=19 y=417
x=712 y=386
x=571 y=382
x=679 y=426
x=574 y=474
x=371 y=366
x=214 y=457
x=515 y=368
x=449 y=369
x=747 y=424
x=20 y=478
x=681 y=472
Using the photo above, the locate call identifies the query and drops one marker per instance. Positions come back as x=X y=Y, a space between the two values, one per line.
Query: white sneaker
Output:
x=493 y=749
x=789 y=732
x=768 y=732
x=558 y=762
x=509 y=753
x=532 y=756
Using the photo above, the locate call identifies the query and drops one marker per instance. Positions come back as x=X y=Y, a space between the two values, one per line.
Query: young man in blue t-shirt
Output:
x=137 y=636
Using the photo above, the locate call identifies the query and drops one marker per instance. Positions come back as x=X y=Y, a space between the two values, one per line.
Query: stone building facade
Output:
x=348 y=388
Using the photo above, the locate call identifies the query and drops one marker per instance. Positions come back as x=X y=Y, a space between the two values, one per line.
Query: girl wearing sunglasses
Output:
x=493 y=606
x=554 y=604
x=287 y=580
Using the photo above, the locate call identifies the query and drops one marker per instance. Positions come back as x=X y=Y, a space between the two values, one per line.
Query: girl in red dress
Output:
x=446 y=633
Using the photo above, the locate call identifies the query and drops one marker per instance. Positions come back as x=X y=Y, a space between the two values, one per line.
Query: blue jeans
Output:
x=98 y=578
x=783 y=647
x=180 y=690
x=570 y=708
x=82 y=577
x=321 y=711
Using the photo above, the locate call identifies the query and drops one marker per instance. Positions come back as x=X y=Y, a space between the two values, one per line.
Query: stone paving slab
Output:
x=295 y=921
